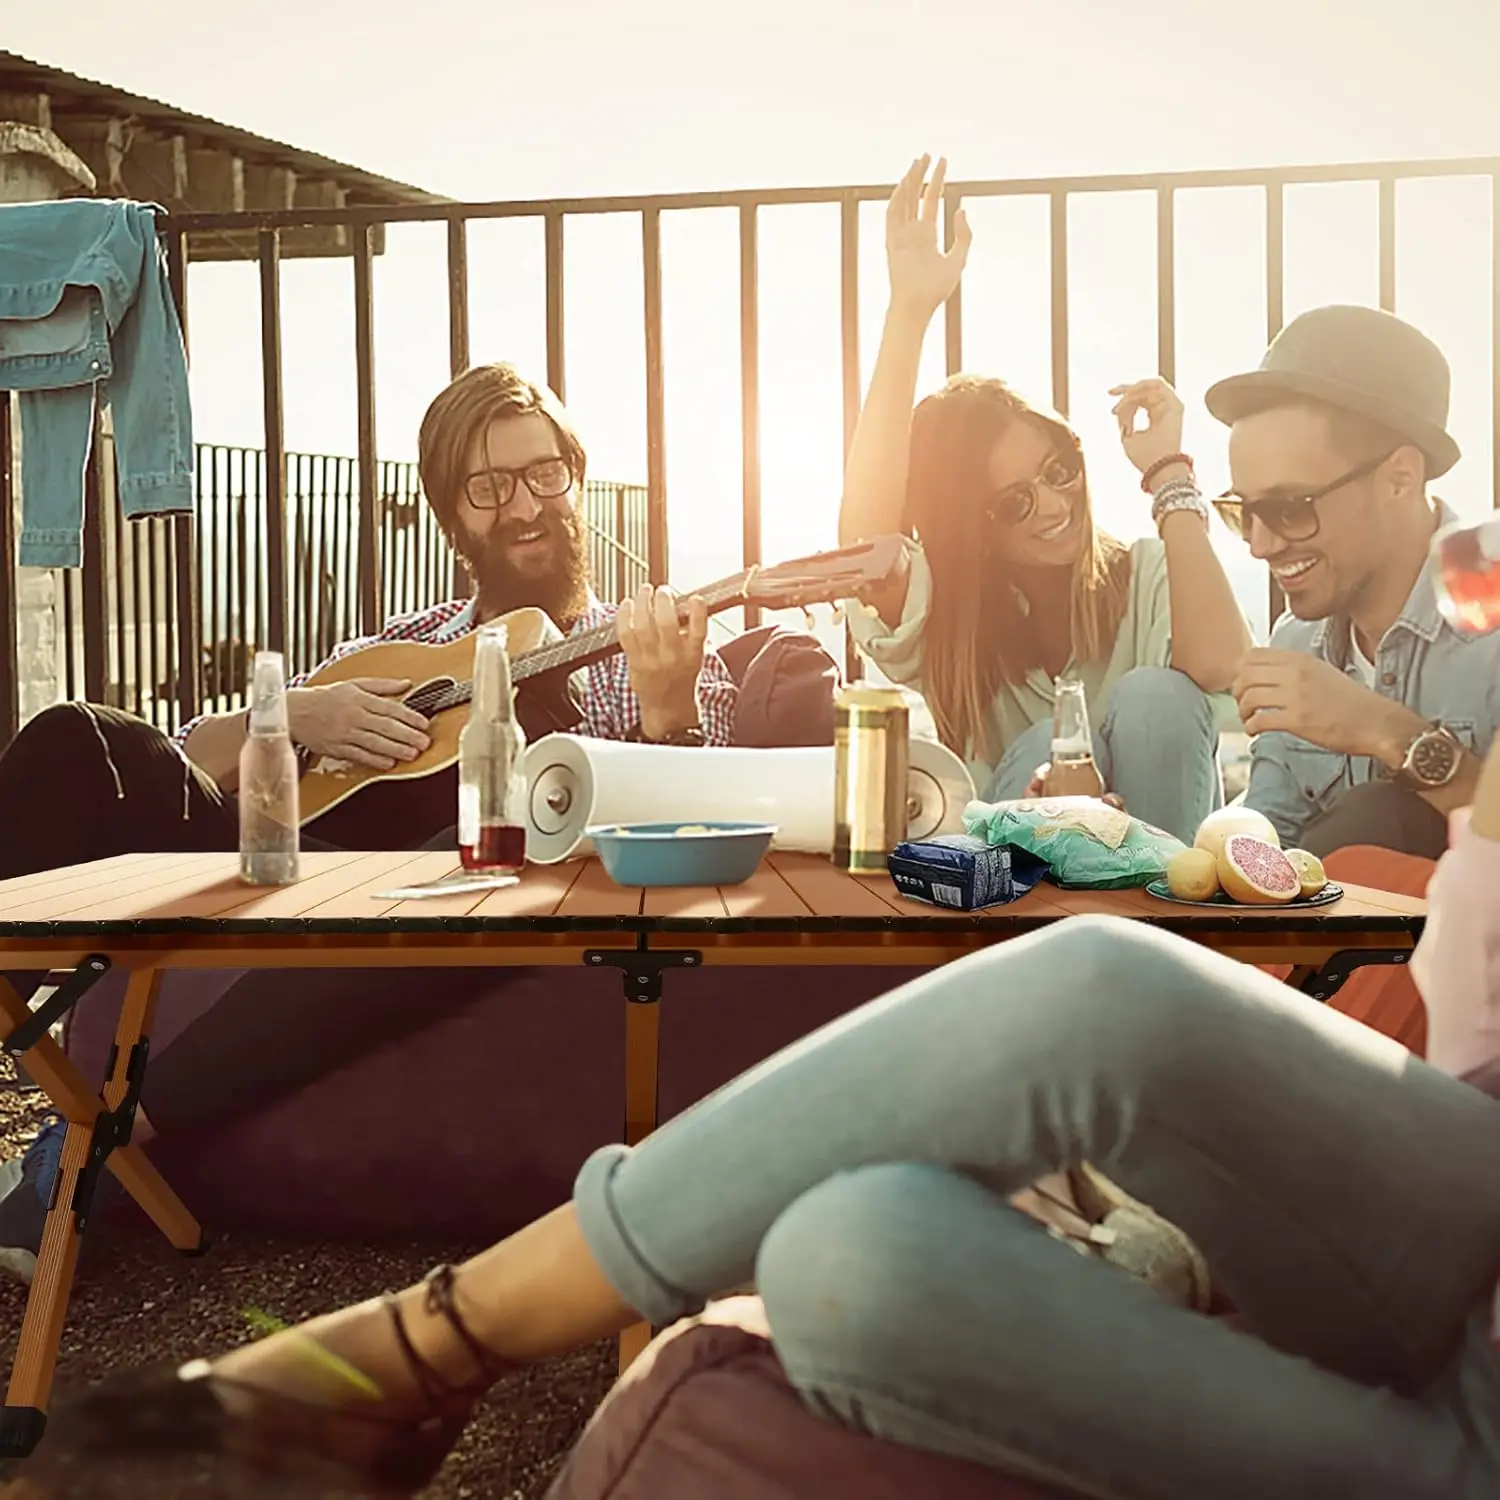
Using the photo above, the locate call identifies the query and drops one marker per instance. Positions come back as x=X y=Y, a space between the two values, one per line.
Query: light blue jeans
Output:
x=1346 y=1196
x=1157 y=747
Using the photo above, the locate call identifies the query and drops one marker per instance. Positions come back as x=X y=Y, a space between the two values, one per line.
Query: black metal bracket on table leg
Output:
x=112 y=1129
x=1324 y=983
x=59 y=1002
x=643 y=967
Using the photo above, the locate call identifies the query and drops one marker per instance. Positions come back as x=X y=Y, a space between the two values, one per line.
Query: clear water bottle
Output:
x=270 y=844
x=1072 y=772
x=1468 y=567
x=491 y=777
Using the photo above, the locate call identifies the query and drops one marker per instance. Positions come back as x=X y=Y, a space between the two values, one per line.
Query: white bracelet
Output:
x=1176 y=494
x=1159 y=513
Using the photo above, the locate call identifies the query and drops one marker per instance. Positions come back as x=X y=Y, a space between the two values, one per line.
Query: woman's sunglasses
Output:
x=1016 y=504
x=1294 y=518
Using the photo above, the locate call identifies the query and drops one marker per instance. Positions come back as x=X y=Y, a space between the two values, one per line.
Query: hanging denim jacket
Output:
x=86 y=310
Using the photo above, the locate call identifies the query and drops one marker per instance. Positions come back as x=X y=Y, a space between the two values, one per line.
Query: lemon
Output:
x=1192 y=875
x=1309 y=870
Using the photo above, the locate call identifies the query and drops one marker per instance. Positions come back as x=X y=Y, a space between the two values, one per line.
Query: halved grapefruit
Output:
x=1257 y=873
x=1220 y=825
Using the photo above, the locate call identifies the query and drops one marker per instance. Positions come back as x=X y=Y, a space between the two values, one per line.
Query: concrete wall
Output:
x=36 y=166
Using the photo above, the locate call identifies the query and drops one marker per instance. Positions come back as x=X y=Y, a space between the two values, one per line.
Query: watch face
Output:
x=1434 y=757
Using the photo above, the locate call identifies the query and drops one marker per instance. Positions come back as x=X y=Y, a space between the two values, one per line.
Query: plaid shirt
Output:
x=611 y=711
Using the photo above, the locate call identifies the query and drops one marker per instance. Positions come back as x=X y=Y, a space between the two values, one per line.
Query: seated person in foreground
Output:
x=501 y=467
x=1010 y=583
x=1342 y=1192
x=1370 y=712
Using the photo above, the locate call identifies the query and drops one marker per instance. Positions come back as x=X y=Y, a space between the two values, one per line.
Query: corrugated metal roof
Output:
x=71 y=94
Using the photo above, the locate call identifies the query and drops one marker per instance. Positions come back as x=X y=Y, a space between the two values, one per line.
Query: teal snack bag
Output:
x=1089 y=844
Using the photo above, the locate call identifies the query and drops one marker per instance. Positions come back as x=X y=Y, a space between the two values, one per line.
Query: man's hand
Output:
x=923 y=276
x=665 y=656
x=1306 y=696
x=362 y=720
x=1162 y=435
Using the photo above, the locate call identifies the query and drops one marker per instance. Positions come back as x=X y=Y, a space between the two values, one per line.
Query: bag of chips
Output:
x=1089 y=844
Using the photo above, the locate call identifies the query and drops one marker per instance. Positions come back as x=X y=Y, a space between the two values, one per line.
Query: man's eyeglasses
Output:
x=1016 y=504
x=1294 y=518
x=494 y=489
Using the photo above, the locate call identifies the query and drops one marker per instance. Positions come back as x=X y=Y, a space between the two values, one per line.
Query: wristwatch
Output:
x=1432 y=759
x=691 y=734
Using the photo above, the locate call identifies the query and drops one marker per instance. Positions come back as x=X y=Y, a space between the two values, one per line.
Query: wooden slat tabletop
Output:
x=187 y=893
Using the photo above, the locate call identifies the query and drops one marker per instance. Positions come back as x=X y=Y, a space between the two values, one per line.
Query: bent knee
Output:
x=1127 y=985
x=838 y=1267
x=58 y=725
x=1157 y=692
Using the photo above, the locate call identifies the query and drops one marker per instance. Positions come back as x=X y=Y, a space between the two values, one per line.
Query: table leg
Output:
x=642 y=1052
x=642 y=1042
x=86 y=1150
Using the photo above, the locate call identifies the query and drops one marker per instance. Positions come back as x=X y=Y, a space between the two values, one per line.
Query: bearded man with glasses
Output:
x=501 y=467
x=1370 y=713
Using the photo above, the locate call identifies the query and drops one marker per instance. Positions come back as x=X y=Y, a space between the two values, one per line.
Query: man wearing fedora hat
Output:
x=1370 y=713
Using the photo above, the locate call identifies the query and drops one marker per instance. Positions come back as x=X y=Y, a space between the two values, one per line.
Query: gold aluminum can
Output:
x=871 y=726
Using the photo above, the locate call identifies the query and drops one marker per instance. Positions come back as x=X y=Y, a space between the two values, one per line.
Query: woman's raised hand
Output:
x=1161 y=437
x=923 y=274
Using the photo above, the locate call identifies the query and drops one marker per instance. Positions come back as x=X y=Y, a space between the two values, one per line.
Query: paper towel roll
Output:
x=575 y=783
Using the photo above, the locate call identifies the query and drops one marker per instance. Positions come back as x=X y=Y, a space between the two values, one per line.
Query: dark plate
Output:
x=1330 y=893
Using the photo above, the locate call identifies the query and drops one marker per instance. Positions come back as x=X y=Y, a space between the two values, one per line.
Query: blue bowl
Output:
x=657 y=854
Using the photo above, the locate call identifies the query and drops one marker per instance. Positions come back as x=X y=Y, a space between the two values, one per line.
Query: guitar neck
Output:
x=589 y=646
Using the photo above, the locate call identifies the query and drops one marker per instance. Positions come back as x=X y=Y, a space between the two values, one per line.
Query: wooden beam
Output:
x=26 y=109
x=303 y=242
x=156 y=170
x=269 y=189
x=100 y=142
x=318 y=192
x=216 y=181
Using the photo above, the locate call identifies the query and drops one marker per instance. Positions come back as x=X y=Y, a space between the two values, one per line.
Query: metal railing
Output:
x=369 y=548
x=138 y=636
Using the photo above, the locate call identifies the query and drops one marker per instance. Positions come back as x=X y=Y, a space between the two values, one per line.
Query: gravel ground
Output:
x=137 y=1302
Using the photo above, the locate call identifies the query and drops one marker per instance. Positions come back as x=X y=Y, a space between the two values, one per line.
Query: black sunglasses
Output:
x=493 y=489
x=1016 y=504
x=1294 y=518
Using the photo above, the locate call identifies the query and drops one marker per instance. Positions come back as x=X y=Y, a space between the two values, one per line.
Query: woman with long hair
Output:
x=1010 y=584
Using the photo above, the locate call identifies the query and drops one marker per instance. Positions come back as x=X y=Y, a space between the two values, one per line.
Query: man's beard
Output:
x=561 y=592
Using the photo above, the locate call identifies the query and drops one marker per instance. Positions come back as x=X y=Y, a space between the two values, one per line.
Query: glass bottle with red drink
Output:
x=491 y=778
x=1468 y=565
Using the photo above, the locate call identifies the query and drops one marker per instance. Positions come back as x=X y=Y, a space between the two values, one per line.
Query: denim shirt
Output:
x=1422 y=662
x=85 y=306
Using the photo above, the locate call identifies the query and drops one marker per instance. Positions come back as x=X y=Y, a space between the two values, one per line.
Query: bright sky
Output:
x=583 y=97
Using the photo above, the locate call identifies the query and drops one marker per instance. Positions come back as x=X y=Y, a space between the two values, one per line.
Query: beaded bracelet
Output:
x=1164 y=463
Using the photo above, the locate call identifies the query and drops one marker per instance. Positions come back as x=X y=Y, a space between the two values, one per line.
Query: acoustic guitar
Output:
x=359 y=807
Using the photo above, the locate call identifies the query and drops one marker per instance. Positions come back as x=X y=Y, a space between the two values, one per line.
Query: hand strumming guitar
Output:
x=665 y=656
x=362 y=720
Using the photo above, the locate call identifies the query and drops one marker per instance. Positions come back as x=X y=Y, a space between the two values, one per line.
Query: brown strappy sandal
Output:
x=140 y=1415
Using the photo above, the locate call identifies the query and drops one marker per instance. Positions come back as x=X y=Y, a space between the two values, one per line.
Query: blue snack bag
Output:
x=963 y=872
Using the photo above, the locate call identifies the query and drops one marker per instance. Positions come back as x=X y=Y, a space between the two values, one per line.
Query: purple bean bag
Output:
x=474 y=1127
x=708 y=1411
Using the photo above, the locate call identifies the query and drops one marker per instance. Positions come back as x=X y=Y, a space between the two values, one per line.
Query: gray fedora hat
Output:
x=1360 y=360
